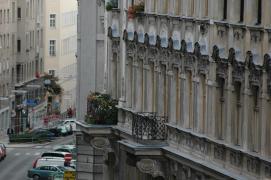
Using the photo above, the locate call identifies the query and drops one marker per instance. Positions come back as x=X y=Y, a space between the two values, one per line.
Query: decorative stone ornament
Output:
x=100 y=143
x=255 y=75
x=109 y=32
x=146 y=39
x=238 y=67
x=125 y=35
x=151 y=167
x=183 y=46
x=267 y=66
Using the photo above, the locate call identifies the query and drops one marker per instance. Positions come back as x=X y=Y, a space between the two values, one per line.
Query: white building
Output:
x=60 y=40
x=91 y=52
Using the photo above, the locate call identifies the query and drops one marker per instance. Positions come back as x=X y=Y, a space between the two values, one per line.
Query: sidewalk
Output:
x=5 y=140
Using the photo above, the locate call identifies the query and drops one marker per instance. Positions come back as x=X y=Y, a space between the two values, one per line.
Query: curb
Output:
x=25 y=145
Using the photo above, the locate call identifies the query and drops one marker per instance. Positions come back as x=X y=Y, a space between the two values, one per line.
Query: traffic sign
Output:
x=69 y=175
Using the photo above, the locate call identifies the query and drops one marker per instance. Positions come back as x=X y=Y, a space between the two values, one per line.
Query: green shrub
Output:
x=101 y=109
x=109 y=6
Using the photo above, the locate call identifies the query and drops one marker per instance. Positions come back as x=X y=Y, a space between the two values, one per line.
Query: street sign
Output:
x=69 y=175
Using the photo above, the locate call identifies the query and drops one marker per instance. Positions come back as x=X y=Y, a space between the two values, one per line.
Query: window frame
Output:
x=52 y=20
x=52 y=53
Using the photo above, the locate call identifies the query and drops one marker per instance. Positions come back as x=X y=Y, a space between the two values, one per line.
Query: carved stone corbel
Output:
x=103 y=144
x=152 y=167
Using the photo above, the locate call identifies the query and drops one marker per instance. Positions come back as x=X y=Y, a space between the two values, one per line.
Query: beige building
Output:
x=8 y=31
x=60 y=40
x=193 y=80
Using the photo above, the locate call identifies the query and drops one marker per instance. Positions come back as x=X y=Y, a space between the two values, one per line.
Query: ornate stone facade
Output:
x=209 y=78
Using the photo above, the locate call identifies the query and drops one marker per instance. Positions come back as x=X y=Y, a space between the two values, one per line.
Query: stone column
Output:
x=93 y=158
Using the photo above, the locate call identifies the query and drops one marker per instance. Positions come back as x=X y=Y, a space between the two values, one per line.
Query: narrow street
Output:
x=20 y=158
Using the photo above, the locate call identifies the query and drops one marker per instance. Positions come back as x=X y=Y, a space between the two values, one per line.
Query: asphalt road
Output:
x=20 y=158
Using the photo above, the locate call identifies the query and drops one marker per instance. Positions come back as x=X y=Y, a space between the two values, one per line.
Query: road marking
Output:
x=27 y=154
x=37 y=153
x=17 y=154
x=38 y=147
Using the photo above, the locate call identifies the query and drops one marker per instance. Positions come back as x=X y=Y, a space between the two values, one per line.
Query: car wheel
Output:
x=36 y=177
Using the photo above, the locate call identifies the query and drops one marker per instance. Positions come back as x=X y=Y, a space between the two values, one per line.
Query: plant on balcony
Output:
x=111 y=4
x=137 y=8
x=101 y=109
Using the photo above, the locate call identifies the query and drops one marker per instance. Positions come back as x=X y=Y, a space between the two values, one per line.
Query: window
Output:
x=52 y=72
x=259 y=18
x=241 y=10
x=225 y=9
x=18 y=45
x=19 y=14
x=0 y=16
x=8 y=16
x=52 y=48
x=52 y=20
x=13 y=12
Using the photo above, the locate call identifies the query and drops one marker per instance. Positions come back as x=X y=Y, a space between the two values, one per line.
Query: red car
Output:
x=3 y=151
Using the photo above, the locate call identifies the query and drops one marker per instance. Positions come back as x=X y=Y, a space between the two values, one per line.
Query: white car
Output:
x=47 y=161
x=70 y=123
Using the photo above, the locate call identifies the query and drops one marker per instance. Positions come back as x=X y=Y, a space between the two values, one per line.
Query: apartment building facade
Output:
x=29 y=90
x=60 y=40
x=8 y=29
x=193 y=82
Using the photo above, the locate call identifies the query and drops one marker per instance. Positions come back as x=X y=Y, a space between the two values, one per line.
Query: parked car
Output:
x=65 y=155
x=55 y=131
x=4 y=149
x=70 y=125
x=66 y=148
x=46 y=161
x=2 y=156
x=45 y=172
x=42 y=133
x=63 y=130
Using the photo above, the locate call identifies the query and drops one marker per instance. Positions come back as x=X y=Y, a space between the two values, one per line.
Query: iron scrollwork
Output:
x=148 y=126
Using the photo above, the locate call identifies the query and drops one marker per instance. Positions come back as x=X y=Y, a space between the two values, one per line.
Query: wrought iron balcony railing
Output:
x=149 y=126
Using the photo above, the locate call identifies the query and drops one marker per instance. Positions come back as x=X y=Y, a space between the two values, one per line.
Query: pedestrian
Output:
x=8 y=131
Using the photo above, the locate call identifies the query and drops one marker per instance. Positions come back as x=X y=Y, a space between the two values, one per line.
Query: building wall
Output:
x=8 y=31
x=29 y=58
x=64 y=33
x=203 y=67
x=90 y=53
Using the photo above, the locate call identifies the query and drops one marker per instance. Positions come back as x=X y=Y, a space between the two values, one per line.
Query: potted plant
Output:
x=131 y=12
x=137 y=8
x=101 y=109
x=109 y=6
